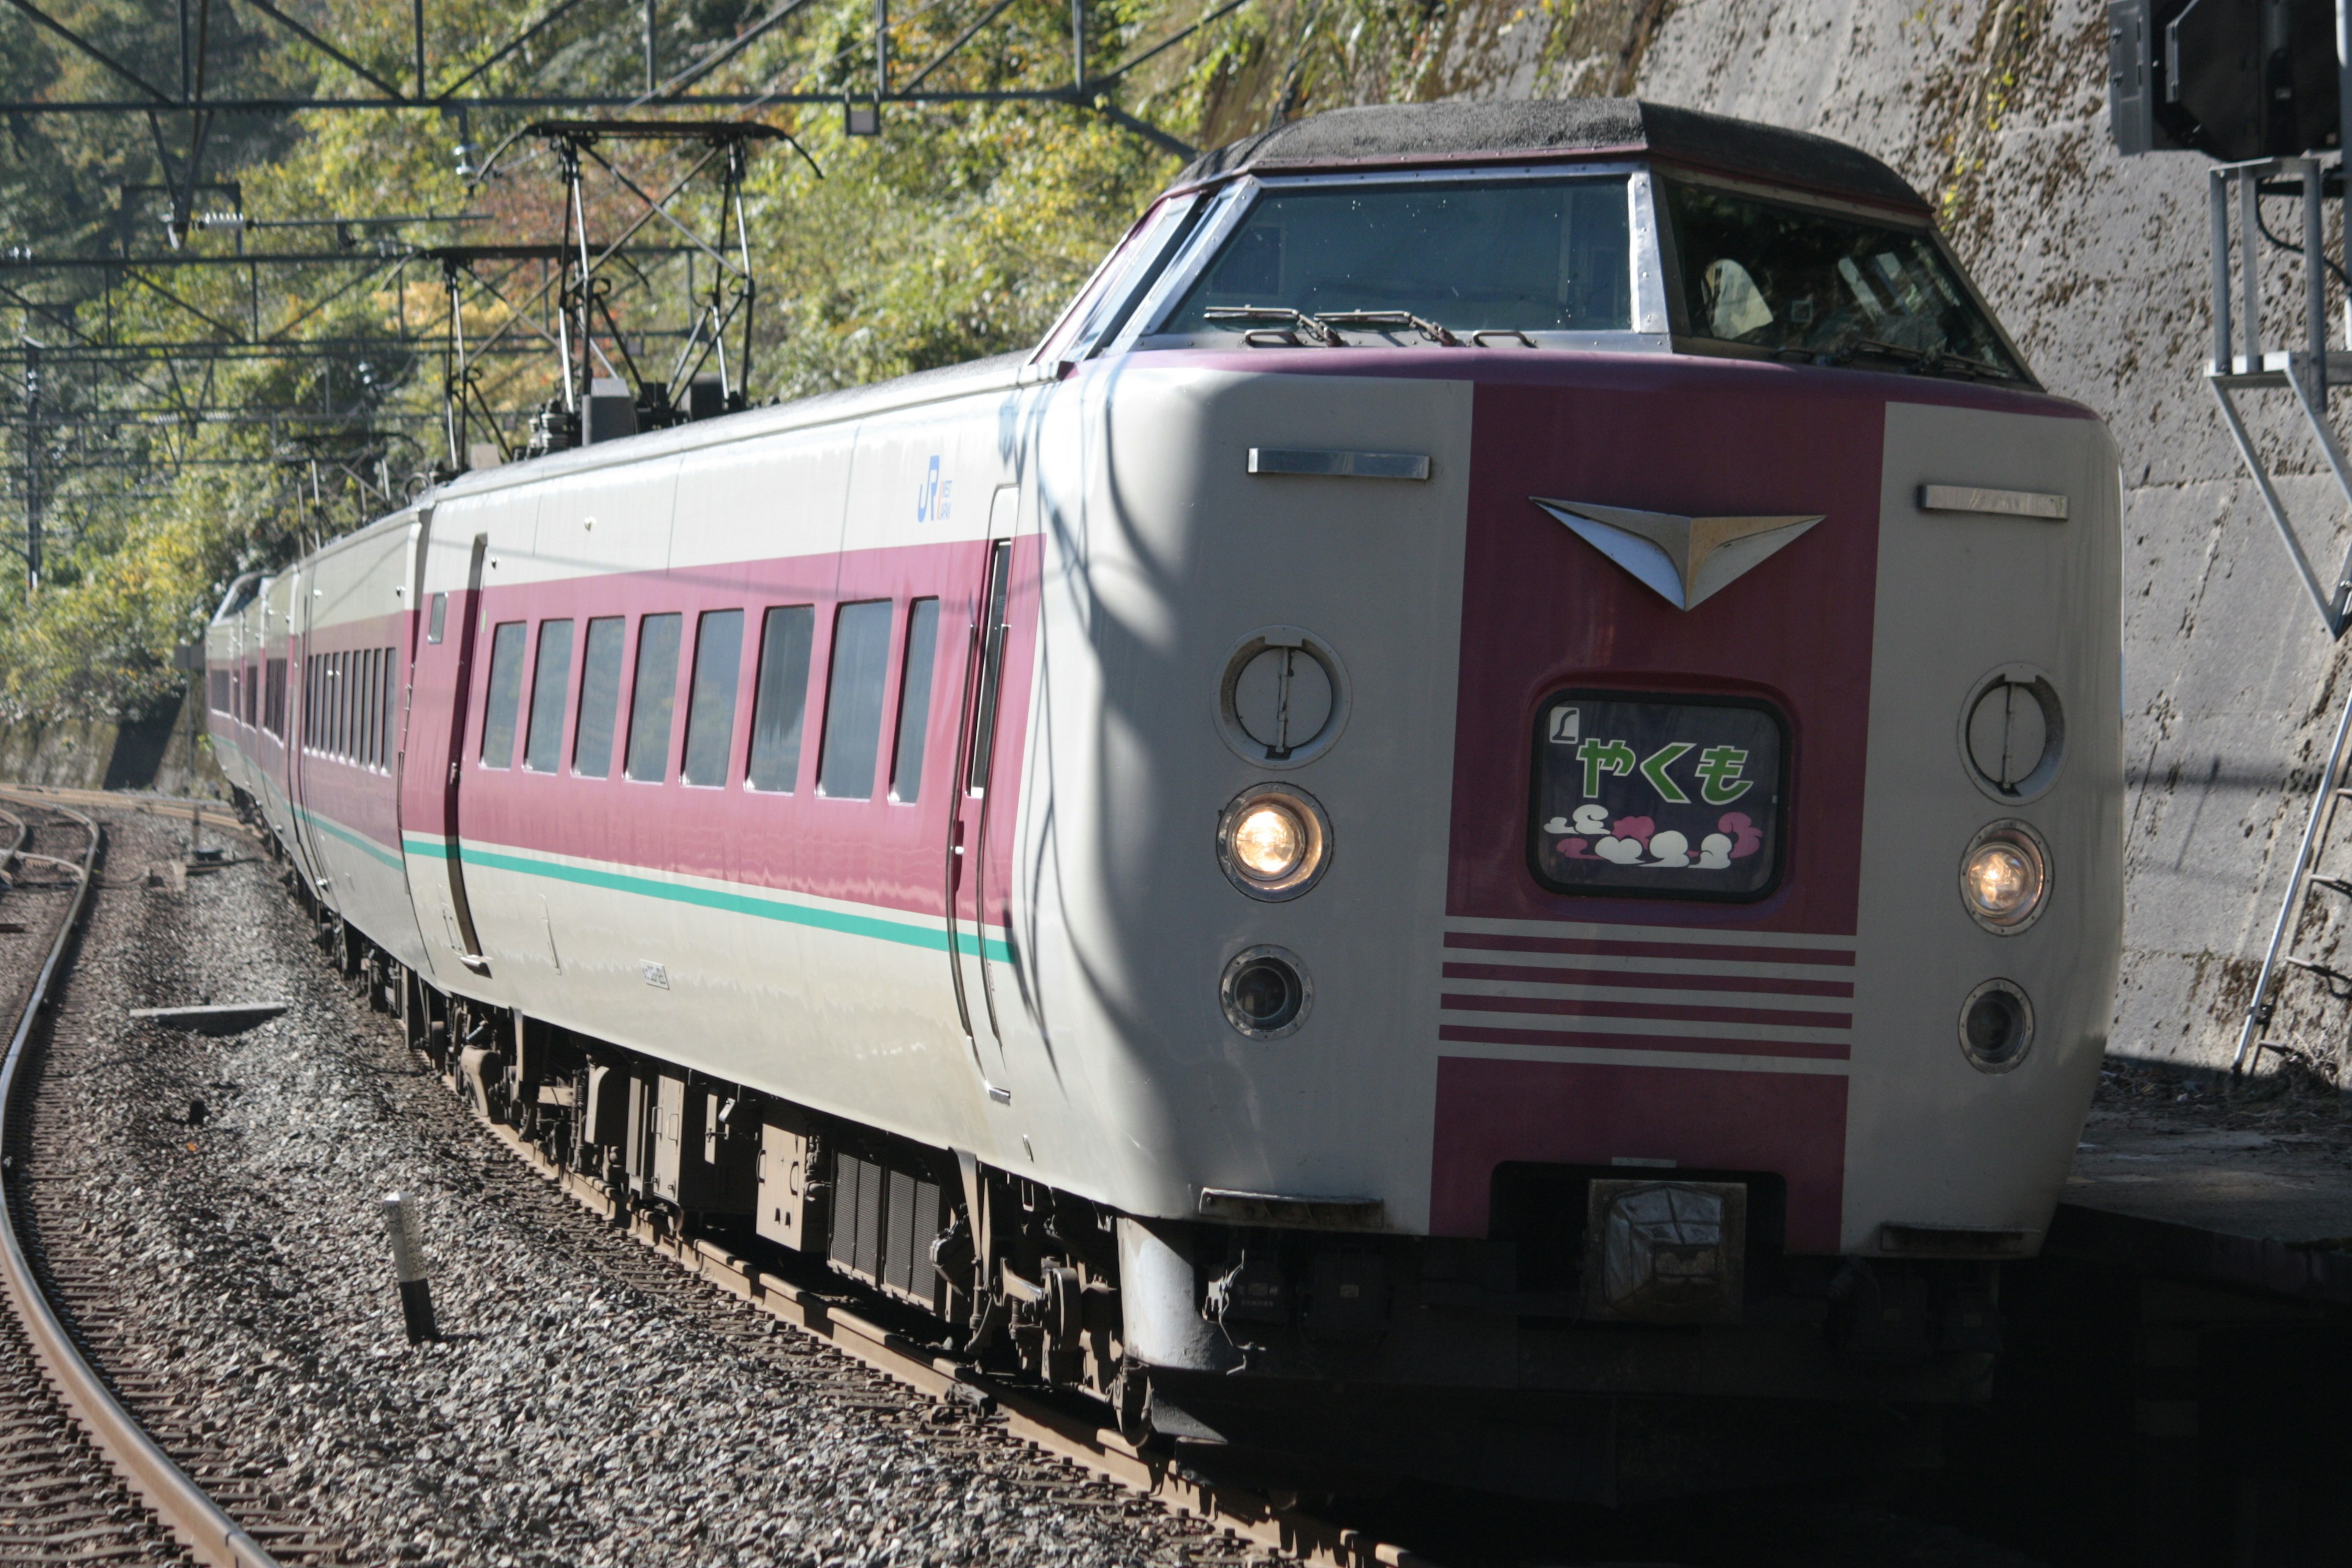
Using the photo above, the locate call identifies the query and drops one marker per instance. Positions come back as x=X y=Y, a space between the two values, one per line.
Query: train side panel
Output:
x=1166 y=556
x=348 y=727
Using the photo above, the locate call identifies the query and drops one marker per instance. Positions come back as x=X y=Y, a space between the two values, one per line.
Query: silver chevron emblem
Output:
x=1683 y=559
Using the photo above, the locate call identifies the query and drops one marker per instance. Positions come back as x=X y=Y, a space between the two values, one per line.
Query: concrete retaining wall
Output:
x=99 y=753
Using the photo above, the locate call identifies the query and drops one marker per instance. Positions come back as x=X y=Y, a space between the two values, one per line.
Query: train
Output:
x=1469 y=832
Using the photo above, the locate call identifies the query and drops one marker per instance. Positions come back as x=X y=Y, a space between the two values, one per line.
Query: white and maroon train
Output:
x=1472 y=829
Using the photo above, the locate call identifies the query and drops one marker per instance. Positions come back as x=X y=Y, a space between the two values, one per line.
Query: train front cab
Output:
x=1705 y=736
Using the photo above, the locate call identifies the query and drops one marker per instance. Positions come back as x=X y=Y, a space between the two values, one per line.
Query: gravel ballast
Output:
x=591 y=1403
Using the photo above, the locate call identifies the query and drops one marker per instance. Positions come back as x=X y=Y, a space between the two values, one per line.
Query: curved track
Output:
x=80 y=1480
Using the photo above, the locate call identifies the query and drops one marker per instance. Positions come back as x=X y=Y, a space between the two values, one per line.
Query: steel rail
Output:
x=198 y=1521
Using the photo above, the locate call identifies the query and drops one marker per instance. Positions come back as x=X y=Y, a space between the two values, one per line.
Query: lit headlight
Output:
x=1274 y=841
x=2005 y=877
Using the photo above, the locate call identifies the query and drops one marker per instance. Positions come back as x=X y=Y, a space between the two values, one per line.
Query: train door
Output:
x=470 y=620
x=301 y=616
x=970 y=900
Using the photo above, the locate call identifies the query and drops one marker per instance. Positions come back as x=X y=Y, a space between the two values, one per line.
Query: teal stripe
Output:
x=328 y=824
x=933 y=937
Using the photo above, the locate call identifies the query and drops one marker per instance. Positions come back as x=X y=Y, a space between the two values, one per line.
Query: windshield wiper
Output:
x=1422 y=324
x=1323 y=325
x=1296 y=322
x=1928 y=362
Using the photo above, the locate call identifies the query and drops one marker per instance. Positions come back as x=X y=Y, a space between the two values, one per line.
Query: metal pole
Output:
x=1078 y=46
x=2250 y=274
x=2218 y=185
x=32 y=472
x=417 y=10
x=881 y=53
x=2314 y=283
x=652 y=77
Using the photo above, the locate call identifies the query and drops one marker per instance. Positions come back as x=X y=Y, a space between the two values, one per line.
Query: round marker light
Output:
x=2005 y=877
x=1265 y=993
x=1274 y=841
x=1997 y=1025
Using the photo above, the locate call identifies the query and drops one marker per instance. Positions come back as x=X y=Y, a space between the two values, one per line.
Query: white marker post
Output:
x=401 y=1224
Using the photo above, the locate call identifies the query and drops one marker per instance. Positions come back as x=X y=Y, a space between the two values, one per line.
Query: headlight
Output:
x=1274 y=841
x=1265 y=993
x=2005 y=877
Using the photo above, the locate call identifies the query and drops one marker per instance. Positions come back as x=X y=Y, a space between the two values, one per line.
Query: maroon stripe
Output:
x=1577 y=1008
x=1600 y=948
x=1479 y=1034
x=1550 y=976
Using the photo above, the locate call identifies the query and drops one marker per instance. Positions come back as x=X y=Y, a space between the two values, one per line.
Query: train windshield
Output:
x=1812 y=286
x=1494 y=260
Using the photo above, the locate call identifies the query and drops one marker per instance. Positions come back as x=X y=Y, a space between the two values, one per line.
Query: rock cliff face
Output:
x=2098 y=265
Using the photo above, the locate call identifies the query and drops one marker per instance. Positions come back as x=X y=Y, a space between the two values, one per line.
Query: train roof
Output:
x=1420 y=134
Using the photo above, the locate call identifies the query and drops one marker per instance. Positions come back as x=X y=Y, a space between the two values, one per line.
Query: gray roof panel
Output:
x=1411 y=134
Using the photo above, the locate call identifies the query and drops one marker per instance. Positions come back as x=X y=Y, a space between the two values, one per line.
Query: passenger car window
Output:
x=505 y=694
x=710 y=709
x=781 y=702
x=599 y=698
x=853 y=701
x=550 y=683
x=652 y=696
x=914 y=701
x=1826 y=288
x=1500 y=256
x=391 y=702
x=439 y=616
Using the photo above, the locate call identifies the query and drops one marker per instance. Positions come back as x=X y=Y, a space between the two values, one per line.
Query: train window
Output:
x=780 y=704
x=550 y=683
x=853 y=701
x=364 y=710
x=217 y=689
x=391 y=709
x=992 y=658
x=273 y=717
x=711 y=707
x=440 y=616
x=1659 y=798
x=1827 y=287
x=335 y=685
x=504 y=695
x=600 y=698
x=1498 y=256
x=914 y=701
x=652 y=697
x=310 y=700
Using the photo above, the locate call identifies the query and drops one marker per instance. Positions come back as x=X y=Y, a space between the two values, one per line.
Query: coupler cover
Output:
x=1665 y=1252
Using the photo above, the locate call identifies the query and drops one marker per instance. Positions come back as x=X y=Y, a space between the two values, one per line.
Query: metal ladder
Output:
x=2307 y=372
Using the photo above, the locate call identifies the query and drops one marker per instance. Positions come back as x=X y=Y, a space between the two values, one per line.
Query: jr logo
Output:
x=933 y=496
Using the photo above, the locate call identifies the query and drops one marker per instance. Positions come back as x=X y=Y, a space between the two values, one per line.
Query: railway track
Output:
x=535 y=1264
x=95 y=1466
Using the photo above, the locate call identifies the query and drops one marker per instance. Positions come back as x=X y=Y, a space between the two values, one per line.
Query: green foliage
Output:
x=960 y=233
